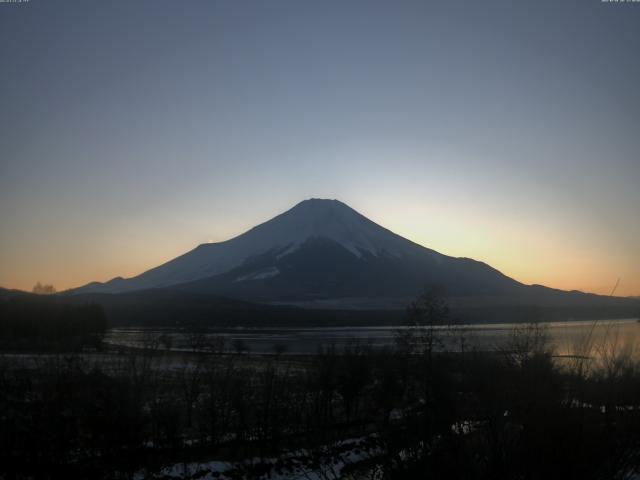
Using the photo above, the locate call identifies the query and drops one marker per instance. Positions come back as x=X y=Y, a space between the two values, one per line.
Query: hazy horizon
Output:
x=505 y=132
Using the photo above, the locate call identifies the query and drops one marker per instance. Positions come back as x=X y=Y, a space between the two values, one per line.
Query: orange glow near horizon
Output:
x=522 y=251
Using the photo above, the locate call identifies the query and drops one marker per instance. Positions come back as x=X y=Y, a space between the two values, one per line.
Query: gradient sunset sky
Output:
x=505 y=131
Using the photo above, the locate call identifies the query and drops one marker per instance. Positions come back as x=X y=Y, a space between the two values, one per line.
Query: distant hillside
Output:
x=176 y=308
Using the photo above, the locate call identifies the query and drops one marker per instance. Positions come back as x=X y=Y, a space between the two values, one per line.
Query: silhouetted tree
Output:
x=45 y=289
x=429 y=311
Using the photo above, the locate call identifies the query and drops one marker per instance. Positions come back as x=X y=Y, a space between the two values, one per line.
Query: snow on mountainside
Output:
x=282 y=235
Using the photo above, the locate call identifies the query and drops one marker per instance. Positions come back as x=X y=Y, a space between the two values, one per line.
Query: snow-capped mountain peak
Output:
x=308 y=220
x=329 y=219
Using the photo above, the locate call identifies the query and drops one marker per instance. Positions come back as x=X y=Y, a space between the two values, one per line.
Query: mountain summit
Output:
x=332 y=220
x=318 y=250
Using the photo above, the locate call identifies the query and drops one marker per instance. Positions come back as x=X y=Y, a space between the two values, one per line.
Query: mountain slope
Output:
x=321 y=269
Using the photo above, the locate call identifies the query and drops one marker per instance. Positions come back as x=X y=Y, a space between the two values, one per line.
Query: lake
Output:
x=566 y=337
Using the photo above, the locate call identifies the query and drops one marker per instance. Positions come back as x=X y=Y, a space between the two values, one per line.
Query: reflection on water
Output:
x=588 y=338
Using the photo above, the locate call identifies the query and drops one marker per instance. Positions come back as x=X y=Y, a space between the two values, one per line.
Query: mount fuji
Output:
x=323 y=255
x=318 y=251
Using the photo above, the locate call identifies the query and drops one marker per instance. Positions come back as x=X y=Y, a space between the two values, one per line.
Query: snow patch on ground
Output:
x=326 y=462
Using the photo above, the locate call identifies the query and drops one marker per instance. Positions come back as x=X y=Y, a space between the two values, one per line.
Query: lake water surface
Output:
x=567 y=338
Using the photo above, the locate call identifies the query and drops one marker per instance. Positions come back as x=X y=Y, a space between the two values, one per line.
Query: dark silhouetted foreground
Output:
x=407 y=412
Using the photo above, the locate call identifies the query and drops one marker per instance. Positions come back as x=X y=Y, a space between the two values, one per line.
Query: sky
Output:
x=505 y=131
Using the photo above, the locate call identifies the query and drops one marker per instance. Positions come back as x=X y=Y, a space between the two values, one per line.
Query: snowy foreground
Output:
x=328 y=462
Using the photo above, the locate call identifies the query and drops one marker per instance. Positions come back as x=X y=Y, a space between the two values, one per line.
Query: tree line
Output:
x=35 y=322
